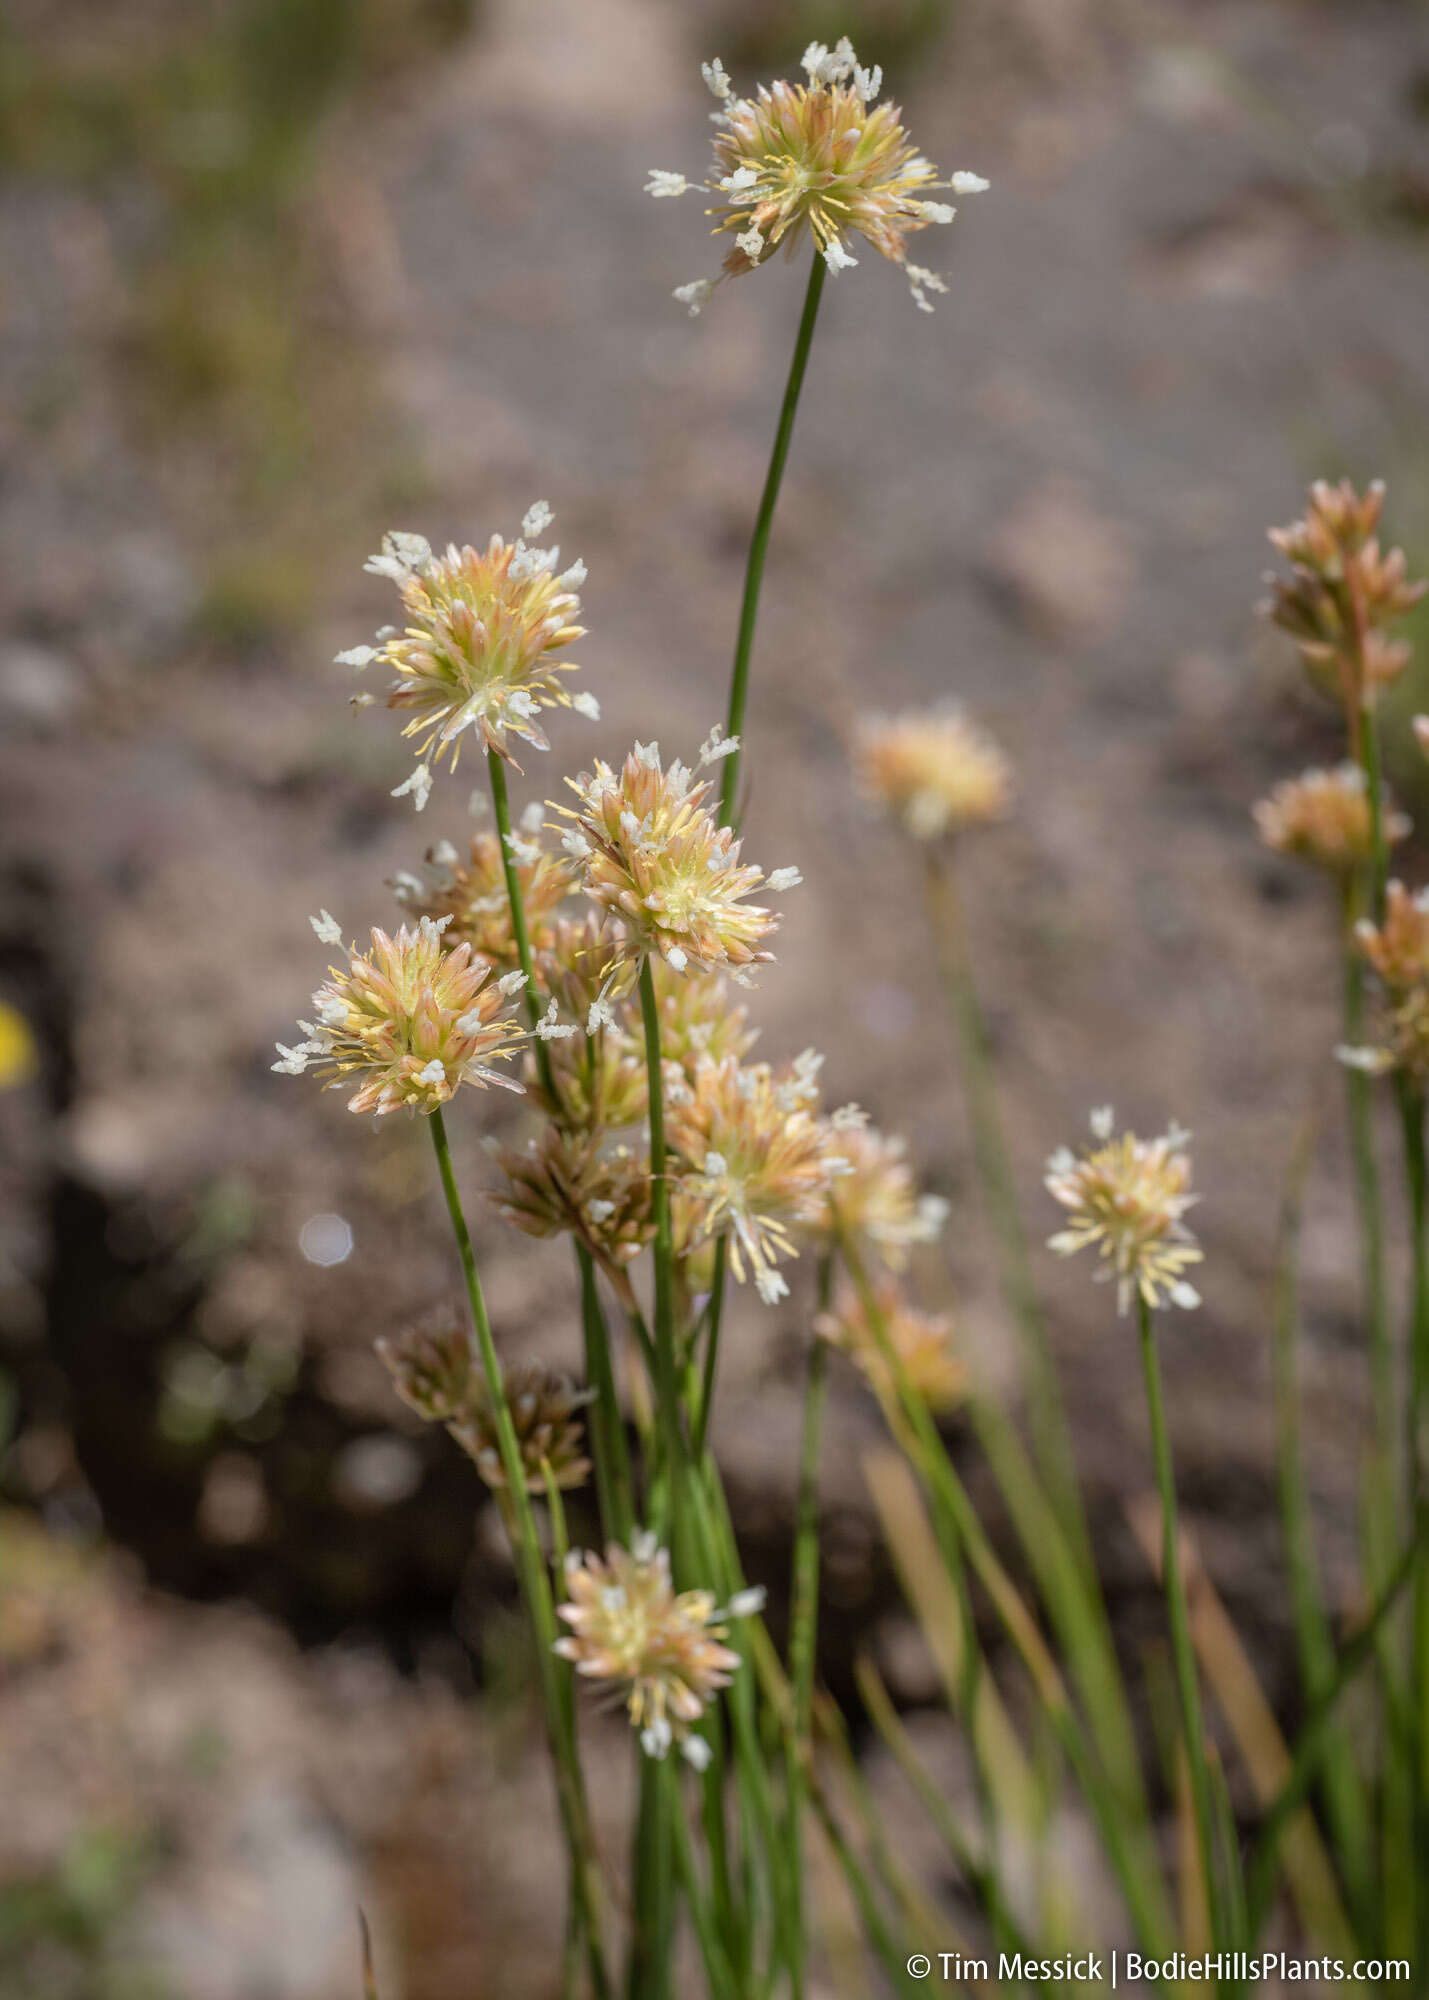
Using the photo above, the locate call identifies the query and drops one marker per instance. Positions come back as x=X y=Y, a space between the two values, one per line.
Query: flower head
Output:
x=875 y=1194
x=1343 y=596
x=411 y=1020
x=756 y=1157
x=820 y=158
x=934 y=770
x=1324 y=817
x=921 y=1344
x=471 y=893
x=1127 y=1196
x=657 y=859
x=664 y=1651
x=1398 y=948
x=578 y=1181
x=545 y=1411
x=430 y=1363
x=484 y=629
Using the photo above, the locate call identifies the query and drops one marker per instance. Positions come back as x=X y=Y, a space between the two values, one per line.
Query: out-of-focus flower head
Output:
x=1343 y=596
x=545 y=1414
x=933 y=770
x=409 y=1019
x=431 y=1364
x=663 y=1651
x=1398 y=948
x=756 y=1155
x=874 y=1196
x=1127 y=1196
x=816 y=157
x=1324 y=817
x=922 y=1344
x=482 y=643
x=471 y=892
x=699 y=1021
x=658 y=860
x=577 y=1181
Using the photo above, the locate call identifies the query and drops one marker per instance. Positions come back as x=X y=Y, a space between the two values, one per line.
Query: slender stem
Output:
x=1291 y=1796
x=666 y=1375
x=759 y=540
x=612 y=1459
x=1346 y=1807
x=1183 y=1655
x=804 y=1617
x=532 y=1571
x=715 y=1319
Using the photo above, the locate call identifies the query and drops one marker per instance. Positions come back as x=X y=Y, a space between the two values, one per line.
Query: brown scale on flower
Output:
x=1344 y=596
x=1324 y=817
x=410 y=1019
x=481 y=644
x=756 y=1155
x=472 y=894
x=659 y=862
x=933 y=770
x=817 y=158
x=874 y=1195
x=664 y=1651
x=578 y=1182
x=431 y=1364
x=922 y=1344
x=545 y=1411
x=1127 y=1196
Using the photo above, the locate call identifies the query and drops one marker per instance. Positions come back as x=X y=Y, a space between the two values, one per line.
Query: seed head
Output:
x=1324 y=817
x=472 y=893
x=1127 y=1196
x=413 y=1021
x=578 y=1181
x=699 y=1021
x=628 y=1627
x=1343 y=596
x=430 y=1363
x=875 y=1194
x=545 y=1414
x=658 y=860
x=480 y=645
x=756 y=1156
x=933 y=770
x=921 y=1342
x=816 y=157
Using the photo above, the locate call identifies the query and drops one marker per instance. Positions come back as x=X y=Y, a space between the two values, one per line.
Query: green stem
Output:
x=804 y=1616
x=715 y=1320
x=612 y=1459
x=535 y=1584
x=667 y=1392
x=1182 y=1653
x=1411 y=1107
x=1346 y=1807
x=1291 y=1796
x=759 y=540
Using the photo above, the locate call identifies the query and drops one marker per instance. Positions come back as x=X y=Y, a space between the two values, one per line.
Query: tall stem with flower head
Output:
x=759 y=540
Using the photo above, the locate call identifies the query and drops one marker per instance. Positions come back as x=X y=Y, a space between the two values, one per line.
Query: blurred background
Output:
x=276 y=275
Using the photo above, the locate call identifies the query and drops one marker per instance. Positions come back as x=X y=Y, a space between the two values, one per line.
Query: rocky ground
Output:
x=263 y=299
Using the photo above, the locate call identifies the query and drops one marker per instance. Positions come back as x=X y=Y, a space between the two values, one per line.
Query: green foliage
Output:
x=61 y=1930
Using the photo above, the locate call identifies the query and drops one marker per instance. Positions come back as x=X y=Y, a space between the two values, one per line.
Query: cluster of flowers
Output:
x=635 y=867
x=1343 y=605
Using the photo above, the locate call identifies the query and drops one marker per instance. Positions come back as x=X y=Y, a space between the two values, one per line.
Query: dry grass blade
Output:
x=369 y=1976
